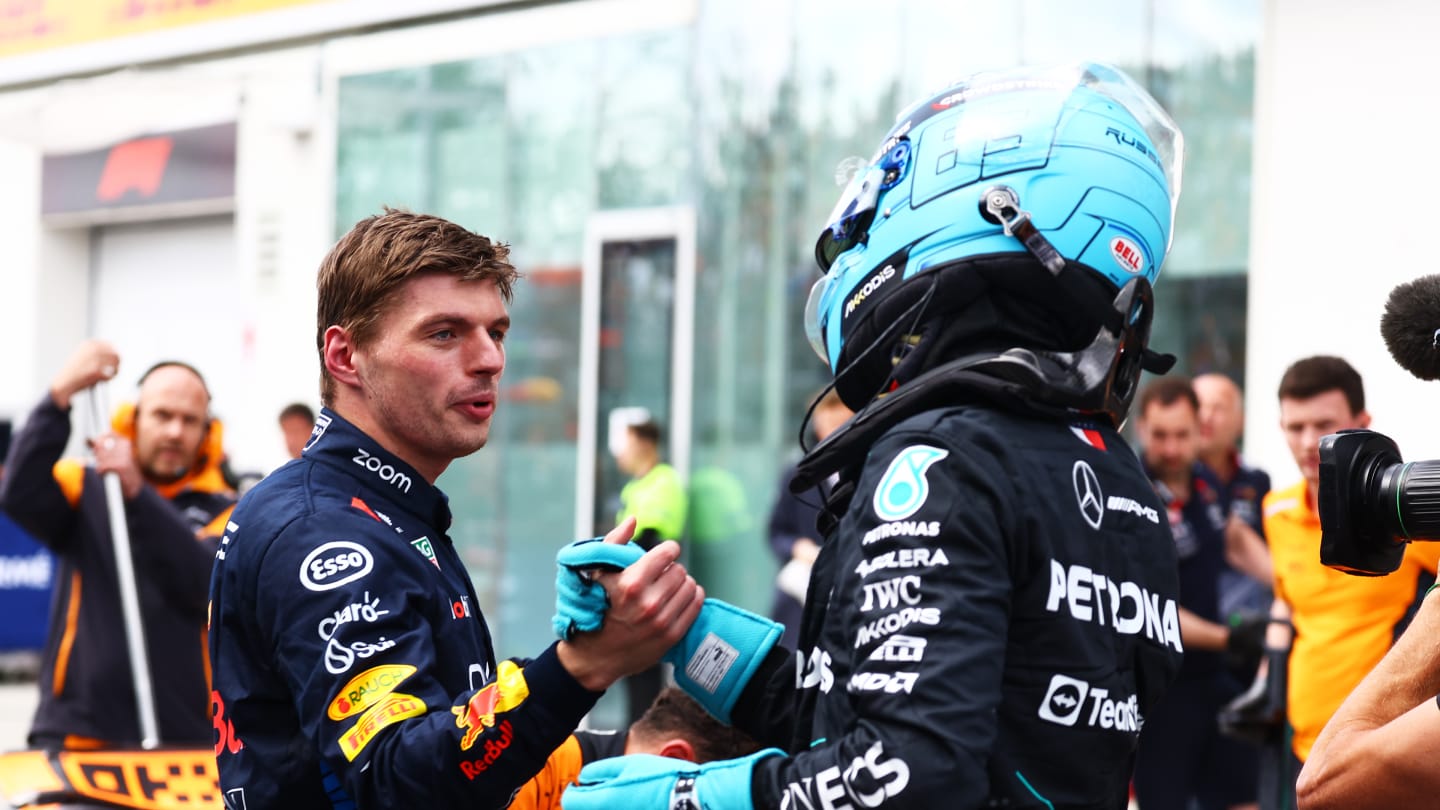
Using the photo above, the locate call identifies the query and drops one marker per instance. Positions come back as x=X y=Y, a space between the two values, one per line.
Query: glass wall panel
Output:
x=745 y=115
x=1200 y=298
x=637 y=299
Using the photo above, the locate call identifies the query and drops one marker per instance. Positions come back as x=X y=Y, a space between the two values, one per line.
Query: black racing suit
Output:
x=352 y=666
x=989 y=622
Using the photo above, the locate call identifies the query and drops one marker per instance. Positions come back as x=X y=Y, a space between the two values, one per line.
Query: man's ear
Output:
x=339 y=356
x=677 y=748
x=1362 y=419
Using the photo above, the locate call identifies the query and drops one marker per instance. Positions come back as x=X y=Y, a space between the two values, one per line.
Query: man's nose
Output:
x=487 y=356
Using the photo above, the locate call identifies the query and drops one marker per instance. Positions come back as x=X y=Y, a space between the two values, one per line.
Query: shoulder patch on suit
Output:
x=70 y=475
x=903 y=488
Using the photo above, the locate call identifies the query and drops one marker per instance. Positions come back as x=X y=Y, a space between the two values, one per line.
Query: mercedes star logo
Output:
x=1087 y=492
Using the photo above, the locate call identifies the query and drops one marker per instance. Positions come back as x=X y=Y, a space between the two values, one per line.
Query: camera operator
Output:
x=1380 y=747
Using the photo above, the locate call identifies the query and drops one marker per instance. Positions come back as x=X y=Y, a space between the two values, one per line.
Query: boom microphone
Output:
x=1411 y=326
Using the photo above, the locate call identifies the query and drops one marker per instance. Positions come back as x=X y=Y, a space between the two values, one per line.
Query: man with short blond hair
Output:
x=353 y=667
x=1243 y=489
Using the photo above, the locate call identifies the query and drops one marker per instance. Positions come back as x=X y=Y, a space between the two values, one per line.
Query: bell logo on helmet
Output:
x=1127 y=254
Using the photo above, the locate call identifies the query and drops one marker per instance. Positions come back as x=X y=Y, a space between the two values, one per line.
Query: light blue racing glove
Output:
x=720 y=653
x=713 y=662
x=644 y=781
x=580 y=601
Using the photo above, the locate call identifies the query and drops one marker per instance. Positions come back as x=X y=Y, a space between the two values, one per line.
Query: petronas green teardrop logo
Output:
x=903 y=489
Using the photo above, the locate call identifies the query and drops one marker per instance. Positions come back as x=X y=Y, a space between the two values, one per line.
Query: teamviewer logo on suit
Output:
x=1088 y=494
x=1063 y=700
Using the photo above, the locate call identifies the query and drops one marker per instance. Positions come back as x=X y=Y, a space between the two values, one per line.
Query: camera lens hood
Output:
x=1355 y=534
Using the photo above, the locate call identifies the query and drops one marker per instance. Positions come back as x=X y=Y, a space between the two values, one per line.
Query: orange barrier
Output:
x=160 y=779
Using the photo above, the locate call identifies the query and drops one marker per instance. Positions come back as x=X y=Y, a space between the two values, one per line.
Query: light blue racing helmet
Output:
x=1074 y=165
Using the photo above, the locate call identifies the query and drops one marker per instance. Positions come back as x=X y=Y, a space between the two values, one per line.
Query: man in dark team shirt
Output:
x=166 y=450
x=1242 y=490
x=1182 y=754
x=352 y=665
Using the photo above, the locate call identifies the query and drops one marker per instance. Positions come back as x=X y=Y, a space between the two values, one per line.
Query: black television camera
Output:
x=1372 y=502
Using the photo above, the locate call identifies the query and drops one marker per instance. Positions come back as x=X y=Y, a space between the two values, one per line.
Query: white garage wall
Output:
x=262 y=268
x=169 y=291
x=1345 y=199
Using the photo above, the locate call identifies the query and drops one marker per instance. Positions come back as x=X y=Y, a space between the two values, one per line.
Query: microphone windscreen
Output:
x=1411 y=326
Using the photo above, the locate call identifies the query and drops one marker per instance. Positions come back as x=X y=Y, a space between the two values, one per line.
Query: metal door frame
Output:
x=628 y=225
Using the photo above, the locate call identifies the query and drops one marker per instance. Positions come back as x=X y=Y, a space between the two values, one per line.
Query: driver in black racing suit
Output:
x=993 y=611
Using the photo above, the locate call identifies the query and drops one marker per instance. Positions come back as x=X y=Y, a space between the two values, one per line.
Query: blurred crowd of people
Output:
x=1275 y=641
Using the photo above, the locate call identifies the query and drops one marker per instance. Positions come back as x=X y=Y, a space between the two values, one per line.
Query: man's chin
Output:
x=470 y=443
x=1174 y=469
x=166 y=475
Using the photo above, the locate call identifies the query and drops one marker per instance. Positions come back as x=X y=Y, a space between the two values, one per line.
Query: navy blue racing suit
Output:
x=988 y=624
x=352 y=667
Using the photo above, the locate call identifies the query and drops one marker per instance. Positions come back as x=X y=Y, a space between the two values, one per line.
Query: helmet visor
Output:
x=849 y=221
x=813 y=306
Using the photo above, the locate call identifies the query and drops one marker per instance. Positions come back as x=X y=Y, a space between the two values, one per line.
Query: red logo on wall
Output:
x=183 y=166
x=134 y=166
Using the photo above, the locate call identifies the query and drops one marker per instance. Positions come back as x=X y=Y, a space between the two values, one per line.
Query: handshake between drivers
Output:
x=620 y=609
